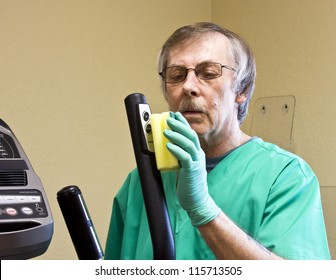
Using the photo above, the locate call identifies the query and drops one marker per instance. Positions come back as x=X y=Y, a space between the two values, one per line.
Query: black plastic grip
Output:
x=151 y=184
x=79 y=224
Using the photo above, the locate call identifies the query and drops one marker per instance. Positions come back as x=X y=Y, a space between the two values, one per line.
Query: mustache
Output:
x=191 y=105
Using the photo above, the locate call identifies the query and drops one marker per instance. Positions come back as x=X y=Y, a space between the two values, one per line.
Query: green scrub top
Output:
x=268 y=192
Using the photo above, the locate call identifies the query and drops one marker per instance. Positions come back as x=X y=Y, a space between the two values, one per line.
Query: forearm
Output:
x=228 y=241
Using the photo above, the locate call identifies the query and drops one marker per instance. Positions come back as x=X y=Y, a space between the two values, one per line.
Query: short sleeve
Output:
x=293 y=224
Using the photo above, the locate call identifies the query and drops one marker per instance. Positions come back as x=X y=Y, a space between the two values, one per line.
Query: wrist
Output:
x=204 y=213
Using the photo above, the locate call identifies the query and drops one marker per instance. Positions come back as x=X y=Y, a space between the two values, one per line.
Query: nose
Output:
x=190 y=84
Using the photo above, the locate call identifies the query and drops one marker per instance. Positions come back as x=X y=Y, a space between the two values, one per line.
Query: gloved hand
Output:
x=192 y=187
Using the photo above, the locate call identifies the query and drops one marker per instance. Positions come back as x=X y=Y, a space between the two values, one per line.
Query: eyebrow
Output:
x=205 y=61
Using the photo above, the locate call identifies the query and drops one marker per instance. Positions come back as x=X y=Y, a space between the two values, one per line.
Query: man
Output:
x=235 y=196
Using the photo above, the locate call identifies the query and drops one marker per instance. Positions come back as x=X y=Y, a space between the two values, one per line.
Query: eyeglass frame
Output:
x=196 y=73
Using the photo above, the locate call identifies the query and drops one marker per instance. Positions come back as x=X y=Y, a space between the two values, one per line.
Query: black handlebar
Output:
x=79 y=224
x=151 y=183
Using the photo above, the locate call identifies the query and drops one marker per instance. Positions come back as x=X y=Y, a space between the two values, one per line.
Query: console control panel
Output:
x=22 y=204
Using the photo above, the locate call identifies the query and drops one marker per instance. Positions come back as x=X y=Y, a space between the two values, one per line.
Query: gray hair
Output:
x=239 y=50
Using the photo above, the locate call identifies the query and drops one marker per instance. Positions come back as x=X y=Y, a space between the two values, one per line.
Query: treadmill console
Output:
x=26 y=223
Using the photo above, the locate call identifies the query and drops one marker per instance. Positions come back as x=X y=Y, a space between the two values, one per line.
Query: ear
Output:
x=241 y=98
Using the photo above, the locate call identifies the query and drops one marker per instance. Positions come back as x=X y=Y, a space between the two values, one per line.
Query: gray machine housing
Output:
x=26 y=223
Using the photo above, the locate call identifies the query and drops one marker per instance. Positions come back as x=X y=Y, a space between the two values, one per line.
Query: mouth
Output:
x=192 y=113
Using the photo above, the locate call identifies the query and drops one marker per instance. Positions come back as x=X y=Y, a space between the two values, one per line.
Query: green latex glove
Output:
x=192 y=187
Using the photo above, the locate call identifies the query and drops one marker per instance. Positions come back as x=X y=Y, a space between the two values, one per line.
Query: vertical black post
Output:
x=151 y=181
x=79 y=223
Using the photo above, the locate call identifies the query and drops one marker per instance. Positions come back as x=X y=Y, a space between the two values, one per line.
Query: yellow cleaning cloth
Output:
x=165 y=161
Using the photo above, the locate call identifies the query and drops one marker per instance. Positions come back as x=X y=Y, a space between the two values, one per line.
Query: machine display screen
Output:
x=7 y=147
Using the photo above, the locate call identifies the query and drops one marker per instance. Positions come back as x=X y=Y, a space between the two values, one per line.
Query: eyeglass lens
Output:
x=204 y=71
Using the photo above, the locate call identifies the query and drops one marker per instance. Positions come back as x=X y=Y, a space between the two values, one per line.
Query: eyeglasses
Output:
x=203 y=71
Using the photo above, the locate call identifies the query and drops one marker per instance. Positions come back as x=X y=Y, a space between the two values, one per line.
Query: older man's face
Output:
x=210 y=106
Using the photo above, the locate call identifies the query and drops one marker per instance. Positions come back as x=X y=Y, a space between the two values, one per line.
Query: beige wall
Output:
x=294 y=43
x=66 y=67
